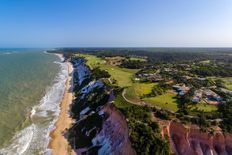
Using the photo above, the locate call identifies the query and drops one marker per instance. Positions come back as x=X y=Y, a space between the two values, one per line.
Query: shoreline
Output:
x=58 y=143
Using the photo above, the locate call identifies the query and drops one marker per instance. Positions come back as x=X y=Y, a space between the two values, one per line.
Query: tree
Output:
x=219 y=83
x=97 y=73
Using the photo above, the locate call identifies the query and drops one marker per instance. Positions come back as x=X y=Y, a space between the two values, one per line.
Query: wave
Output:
x=20 y=142
x=35 y=138
x=57 y=54
x=6 y=53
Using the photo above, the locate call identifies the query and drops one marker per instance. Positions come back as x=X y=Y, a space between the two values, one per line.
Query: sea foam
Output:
x=20 y=142
x=34 y=139
x=6 y=53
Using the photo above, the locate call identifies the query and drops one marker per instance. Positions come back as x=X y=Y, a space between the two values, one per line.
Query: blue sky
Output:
x=116 y=23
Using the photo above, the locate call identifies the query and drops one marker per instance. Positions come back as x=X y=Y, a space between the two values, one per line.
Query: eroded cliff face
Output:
x=192 y=141
x=100 y=127
x=114 y=136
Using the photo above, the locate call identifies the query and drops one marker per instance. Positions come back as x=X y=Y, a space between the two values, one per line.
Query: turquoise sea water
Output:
x=31 y=87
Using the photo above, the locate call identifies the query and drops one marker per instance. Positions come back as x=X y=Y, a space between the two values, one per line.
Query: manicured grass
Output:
x=116 y=58
x=119 y=102
x=138 y=59
x=138 y=90
x=123 y=76
x=227 y=80
x=166 y=101
x=92 y=61
x=205 y=62
x=204 y=107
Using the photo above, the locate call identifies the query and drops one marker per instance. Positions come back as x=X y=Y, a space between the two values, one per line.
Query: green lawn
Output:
x=165 y=101
x=205 y=62
x=119 y=102
x=138 y=59
x=137 y=90
x=227 y=80
x=92 y=61
x=204 y=107
x=123 y=76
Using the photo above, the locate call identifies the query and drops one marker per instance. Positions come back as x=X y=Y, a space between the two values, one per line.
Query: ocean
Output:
x=32 y=83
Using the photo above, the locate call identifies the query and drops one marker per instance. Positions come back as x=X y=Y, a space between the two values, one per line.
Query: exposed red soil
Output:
x=115 y=133
x=192 y=141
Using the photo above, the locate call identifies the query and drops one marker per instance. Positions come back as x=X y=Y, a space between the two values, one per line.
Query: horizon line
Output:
x=119 y=47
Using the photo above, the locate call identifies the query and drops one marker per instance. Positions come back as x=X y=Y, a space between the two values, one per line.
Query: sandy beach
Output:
x=59 y=143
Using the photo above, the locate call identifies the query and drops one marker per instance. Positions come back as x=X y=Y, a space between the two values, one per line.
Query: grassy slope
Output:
x=205 y=62
x=138 y=59
x=121 y=75
x=119 y=102
x=137 y=90
x=92 y=61
x=227 y=80
x=165 y=101
x=205 y=107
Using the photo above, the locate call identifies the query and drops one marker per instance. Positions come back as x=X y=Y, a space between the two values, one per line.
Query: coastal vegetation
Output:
x=192 y=90
x=166 y=101
x=143 y=132
x=226 y=110
x=138 y=90
x=157 y=95
x=123 y=76
x=139 y=117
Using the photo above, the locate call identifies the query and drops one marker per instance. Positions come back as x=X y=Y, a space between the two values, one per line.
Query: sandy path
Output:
x=58 y=143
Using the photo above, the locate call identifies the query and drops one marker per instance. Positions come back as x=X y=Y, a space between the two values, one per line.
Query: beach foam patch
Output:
x=20 y=142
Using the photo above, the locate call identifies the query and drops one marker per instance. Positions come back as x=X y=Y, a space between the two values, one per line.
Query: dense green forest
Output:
x=157 y=55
